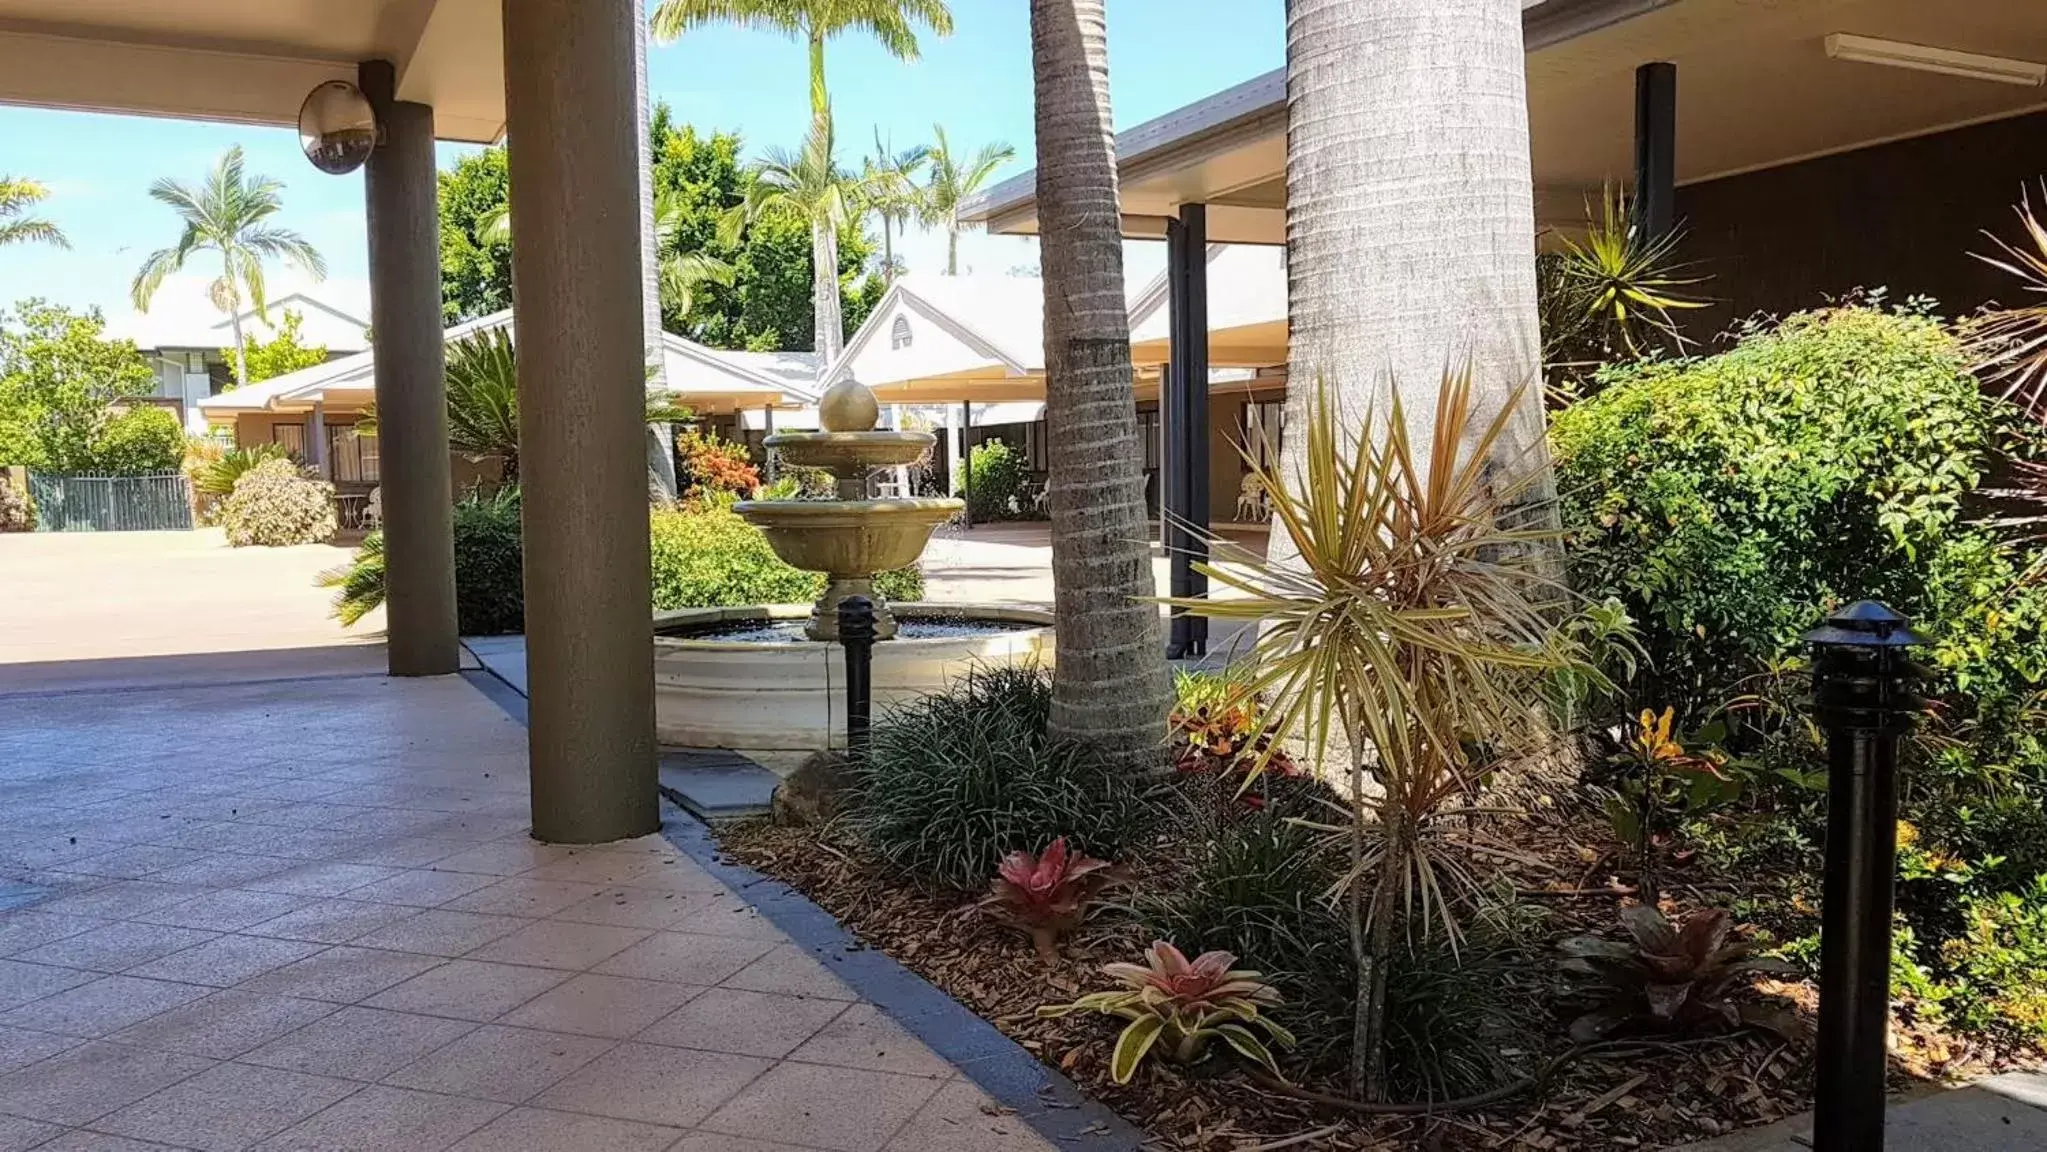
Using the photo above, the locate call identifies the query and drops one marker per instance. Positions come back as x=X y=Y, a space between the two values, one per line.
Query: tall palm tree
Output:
x=893 y=22
x=893 y=194
x=1111 y=689
x=17 y=194
x=228 y=215
x=1399 y=265
x=810 y=185
x=954 y=180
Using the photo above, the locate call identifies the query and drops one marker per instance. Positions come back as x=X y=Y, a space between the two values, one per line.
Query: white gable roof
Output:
x=987 y=325
x=1246 y=285
x=692 y=369
x=334 y=314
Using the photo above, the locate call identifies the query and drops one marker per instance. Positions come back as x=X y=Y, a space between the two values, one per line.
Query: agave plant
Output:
x=1047 y=895
x=1611 y=291
x=1408 y=640
x=1665 y=976
x=2010 y=344
x=1184 y=1005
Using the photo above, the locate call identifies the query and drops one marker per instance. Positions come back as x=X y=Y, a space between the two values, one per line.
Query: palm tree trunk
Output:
x=820 y=97
x=888 y=251
x=952 y=250
x=234 y=323
x=1400 y=264
x=1111 y=687
x=824 y=290
x=660 y=450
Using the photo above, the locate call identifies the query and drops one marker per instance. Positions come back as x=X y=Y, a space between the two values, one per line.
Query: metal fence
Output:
x=111 y=503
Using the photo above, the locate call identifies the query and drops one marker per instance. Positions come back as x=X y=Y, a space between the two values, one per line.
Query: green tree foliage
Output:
x=140 y=442
x=476 y=257
x=58 y=378
x=282 y=354
x=698 y=178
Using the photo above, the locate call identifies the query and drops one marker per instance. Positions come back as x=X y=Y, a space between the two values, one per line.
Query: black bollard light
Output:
x=856 y=635
x=1862 y=691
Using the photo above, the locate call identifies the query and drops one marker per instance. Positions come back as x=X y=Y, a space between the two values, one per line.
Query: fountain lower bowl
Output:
x=719 y=684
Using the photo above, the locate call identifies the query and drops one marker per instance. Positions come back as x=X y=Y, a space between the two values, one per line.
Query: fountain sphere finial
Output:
x=848 y=406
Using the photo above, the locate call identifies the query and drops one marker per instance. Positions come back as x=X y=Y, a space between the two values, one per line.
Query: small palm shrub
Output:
x=273 y=506
x=139 y=442
x=214 y=474
x=490 y=596
x=956 y=781
x=359 y=584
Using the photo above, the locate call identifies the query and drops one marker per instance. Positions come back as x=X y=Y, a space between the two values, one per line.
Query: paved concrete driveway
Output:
x=82 y=608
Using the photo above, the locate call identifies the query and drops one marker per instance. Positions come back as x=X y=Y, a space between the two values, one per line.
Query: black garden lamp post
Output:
x=856 y=635
x=1862 y=692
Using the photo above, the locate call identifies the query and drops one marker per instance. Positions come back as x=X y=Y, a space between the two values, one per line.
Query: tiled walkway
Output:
x=306 y=915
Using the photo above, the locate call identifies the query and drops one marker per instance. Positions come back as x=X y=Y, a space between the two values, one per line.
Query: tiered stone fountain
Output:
x=768 y=679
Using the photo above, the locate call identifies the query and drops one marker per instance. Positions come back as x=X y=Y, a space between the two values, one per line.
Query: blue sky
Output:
x=1163 y=54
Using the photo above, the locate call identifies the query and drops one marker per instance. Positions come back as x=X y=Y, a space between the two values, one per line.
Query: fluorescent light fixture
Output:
x=1946 y=61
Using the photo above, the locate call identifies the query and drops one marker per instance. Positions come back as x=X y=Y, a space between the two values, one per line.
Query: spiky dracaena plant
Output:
x=2010 y=344
x=1609 y=292
x=1410 y=638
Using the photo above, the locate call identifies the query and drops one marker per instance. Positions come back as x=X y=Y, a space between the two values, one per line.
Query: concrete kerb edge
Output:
x=1040 y=1096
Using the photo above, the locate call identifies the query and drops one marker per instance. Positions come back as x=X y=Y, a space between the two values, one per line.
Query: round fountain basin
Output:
x=848 y=537
x=748 y=680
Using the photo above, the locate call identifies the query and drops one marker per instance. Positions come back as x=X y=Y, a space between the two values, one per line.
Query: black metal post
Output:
x=1656 y=149
x=967 y=462
x=856 y=635
x=1194 y=418
x=1862 y=691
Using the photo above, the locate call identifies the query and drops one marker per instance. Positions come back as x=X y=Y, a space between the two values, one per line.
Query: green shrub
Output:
x=1997 y=966
x=272 y=505
x=17 y=511
x=490 y=590
x=490 y=554
x=1730 y=501
x=711 y=558
x=956 y=780
x=999 y=484
x=139 y=442
x=216 y=477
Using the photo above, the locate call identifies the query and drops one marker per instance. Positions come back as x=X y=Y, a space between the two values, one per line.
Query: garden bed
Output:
x=1695 y=1090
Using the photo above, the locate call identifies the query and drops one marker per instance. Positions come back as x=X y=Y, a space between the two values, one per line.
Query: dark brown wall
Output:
x=1903 y=215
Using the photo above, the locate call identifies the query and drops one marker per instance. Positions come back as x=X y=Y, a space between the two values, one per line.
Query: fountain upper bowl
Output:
x=851 y=453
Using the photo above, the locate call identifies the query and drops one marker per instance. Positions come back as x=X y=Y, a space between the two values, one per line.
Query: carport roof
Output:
x=252 y=61
x=1756 y=89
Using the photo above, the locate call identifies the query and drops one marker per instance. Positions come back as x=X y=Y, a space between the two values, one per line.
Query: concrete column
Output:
x=1183 y=403
x=412 y=403
x=571 y=128
x=316 y=441
x=1656 y=149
